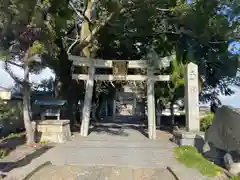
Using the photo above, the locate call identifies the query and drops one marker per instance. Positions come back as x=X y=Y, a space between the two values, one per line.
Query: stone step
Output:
x=152 y=174
x=67 y=172
x=44 y=172
x=105 y=144
x=115 y=173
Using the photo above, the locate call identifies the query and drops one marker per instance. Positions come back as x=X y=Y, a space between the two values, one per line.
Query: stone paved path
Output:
x=112 y=151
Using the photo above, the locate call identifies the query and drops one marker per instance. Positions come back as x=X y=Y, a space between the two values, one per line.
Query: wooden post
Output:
x=134 y=108
x=114 y=108
x=106 y=106
x=88 y=100
x=159 y=113
x=58 y=114
x=151 y=107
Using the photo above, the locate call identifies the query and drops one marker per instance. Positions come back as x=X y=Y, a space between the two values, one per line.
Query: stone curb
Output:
x=35 y=170
x=226 y=172
x=11 y=166
x=174 y=173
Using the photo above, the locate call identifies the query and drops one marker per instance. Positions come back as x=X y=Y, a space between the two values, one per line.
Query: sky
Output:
x=7 y=82
x=233 y=100
x=236 y=49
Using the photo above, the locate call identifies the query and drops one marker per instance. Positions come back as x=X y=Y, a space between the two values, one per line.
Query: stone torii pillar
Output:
x=151 y=105
x=88 y=100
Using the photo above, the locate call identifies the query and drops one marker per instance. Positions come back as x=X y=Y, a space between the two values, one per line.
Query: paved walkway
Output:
x=117 y=150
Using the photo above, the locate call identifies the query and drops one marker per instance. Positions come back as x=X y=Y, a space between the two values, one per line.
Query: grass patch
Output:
x=191 y=158
x=44 y=142
x=12 y=136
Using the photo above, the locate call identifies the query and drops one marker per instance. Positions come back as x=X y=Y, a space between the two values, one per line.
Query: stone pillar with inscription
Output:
x=192 y=98
x=192 y=135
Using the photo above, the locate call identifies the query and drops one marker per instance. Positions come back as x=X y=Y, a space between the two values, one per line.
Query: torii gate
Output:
x=120 y=73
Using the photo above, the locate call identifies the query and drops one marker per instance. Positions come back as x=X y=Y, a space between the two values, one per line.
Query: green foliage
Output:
x=11 y=115
x=173 y=26
x=36 y=48
x=167 y=26
x=6 y=112
x=13 y=135
x=176 y=83
x=3 y=152
x=44 y=142
x=206 y=122
x=191 y=158
x=173 y=89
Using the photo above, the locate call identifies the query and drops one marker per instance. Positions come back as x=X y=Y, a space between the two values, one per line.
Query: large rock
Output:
x=223 y=138
x=224 y=132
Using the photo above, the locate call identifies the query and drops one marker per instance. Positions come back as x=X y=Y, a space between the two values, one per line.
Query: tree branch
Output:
x=78 y=48
x=164 y=10
x=13 y=76
x=15 y=64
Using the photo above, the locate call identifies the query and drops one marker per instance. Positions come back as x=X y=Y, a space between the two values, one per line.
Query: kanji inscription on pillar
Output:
x=192 y=97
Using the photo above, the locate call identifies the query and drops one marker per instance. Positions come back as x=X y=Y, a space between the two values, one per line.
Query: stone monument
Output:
x=191 y=135
x=191 y=98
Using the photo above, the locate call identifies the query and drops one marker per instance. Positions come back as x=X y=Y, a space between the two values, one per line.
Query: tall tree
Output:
x=25 y=33
x=117 y=29
x=198 y=31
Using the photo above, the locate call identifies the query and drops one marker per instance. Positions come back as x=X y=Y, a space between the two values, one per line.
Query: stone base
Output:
x=185 y=138
x=57 y=131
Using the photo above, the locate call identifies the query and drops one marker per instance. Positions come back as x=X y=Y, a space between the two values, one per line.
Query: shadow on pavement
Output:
x=118 y=125
x=8 y=166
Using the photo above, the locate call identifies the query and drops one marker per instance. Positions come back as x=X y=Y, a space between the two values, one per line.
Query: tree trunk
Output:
x=85 y=32
x=26 y=106
x=64 y=72
x=172 y=113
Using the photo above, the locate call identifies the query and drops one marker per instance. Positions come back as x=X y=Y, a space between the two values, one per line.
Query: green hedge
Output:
x=206 y=122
